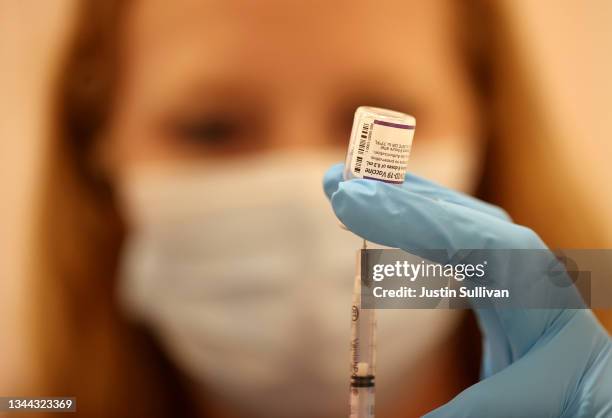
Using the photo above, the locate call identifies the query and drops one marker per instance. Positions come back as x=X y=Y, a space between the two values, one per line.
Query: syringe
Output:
x=378 y=149
x=363 y=350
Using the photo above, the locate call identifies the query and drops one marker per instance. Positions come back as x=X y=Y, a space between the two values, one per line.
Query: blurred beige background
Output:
x=559 y=47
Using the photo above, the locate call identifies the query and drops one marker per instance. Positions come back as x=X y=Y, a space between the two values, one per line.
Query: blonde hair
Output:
x=83 y=345
x=527 y=173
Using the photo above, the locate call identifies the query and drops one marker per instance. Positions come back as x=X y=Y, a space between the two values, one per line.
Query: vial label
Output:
x=382 y=150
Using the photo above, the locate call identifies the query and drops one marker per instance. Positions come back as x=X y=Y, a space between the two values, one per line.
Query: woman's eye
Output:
x=215 y=134
x=209 y=132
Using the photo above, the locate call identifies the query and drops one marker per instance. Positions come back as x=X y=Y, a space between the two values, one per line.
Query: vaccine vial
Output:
x=380 y=145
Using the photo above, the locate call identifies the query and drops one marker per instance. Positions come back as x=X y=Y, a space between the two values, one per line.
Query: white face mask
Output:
x=244 y=275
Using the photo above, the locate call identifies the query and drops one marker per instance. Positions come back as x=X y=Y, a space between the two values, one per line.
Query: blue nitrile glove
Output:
x=536 y=362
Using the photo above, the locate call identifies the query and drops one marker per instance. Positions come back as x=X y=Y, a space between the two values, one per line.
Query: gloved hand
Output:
x=536 y=362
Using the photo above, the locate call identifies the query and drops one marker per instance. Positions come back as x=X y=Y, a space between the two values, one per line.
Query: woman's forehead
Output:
x=286 y=37
x=290 y=16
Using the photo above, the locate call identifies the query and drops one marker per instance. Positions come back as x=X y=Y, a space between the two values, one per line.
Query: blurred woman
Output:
x=184 y=242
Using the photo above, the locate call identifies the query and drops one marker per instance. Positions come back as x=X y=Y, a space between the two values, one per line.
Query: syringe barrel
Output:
x=363 y=351
x=363 y=330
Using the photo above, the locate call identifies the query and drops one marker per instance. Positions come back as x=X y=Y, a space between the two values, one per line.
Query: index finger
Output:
x=333 y=177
